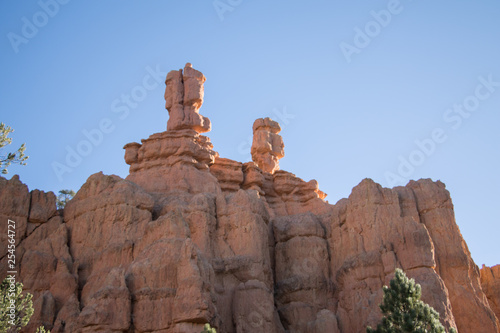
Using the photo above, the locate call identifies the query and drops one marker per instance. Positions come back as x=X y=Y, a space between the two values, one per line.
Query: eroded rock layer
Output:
x=490 y=281
x=189 y=238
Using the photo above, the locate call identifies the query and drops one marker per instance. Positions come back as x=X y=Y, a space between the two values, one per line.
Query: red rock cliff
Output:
x=490 y=280
x=189 y=238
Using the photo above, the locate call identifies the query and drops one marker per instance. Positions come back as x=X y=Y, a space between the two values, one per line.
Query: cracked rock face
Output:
x=190 y=237
x=490 y=281
x=411 y=227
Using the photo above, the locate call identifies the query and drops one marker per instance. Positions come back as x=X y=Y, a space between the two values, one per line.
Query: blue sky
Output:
x=389 y=90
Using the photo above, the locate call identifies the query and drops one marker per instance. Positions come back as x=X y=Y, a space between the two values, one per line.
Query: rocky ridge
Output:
x=190 y=237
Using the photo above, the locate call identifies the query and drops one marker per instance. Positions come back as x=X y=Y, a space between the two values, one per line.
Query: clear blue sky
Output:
x=359 y=92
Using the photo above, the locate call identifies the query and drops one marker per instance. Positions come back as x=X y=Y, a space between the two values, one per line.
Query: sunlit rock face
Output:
x=190 y=237
x=490 y=281
x=267 y=147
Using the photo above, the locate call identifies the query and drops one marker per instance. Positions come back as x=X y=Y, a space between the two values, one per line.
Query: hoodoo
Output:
x=189 y=238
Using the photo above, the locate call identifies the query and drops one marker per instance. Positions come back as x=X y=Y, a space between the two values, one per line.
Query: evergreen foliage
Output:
x=208 y=329
x=403 y=310
x=15 y=309
x=64 y=197
x=17 y=157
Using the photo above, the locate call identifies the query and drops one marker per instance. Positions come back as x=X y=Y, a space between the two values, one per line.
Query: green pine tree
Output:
x=208 y=329
x=64 y=197
x=15 y=309
x=17 y=157
x=403 y=310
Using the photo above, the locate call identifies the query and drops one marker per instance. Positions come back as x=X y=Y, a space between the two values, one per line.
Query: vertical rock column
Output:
x=303 y=287
x=183 y=98
x=177 y=159
x=267 y=145
x=490 y=282
x=453 y=259
x=373 y=232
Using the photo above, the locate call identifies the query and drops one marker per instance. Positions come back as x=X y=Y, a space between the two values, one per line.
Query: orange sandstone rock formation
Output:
x=183 y=98
x=490 y=280
x=190 y=237
x=267 y=147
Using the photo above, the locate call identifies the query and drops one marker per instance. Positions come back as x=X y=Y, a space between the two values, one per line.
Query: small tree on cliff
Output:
x=208 y=329
x=63 y=198
x=17 y=157
x=15 y=309
x=403 y=310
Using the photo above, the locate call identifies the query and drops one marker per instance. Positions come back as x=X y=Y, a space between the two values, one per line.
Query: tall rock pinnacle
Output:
x=267 y=146
x=179 y=158
x=183 y=98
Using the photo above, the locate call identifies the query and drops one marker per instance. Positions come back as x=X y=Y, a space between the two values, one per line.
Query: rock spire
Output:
x=183 y=98
x=267 y=147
